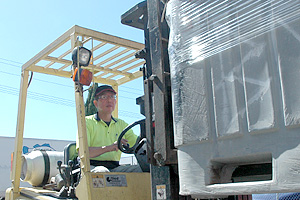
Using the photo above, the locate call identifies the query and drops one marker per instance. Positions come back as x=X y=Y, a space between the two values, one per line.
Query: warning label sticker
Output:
x=116 y=180
x=98 y=181
x=161 y=192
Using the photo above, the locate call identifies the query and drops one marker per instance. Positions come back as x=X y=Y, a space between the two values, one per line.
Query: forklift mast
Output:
x=233 y=113
x=156 y=104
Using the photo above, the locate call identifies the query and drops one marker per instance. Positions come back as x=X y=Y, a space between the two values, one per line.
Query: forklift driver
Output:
x=103 y=131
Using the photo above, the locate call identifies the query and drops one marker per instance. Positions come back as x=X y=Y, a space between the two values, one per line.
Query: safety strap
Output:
x=47 y=167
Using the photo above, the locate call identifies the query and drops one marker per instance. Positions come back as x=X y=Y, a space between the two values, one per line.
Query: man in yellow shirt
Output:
x=103 y=131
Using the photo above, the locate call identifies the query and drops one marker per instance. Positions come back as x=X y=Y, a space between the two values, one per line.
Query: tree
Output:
x=89 y=105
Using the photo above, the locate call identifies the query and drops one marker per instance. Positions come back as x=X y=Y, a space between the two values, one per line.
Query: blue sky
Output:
x=29 y=26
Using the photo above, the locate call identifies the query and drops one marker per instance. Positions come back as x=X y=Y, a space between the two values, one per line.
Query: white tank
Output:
x=39 y=166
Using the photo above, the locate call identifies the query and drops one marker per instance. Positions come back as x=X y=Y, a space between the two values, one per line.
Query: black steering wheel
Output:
x=127 y=149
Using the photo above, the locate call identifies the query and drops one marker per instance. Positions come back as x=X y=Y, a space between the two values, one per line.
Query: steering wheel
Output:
x=127 y=149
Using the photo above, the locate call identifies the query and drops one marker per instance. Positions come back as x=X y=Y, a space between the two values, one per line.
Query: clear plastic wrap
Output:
x=235 y=77
x=229 y=48
x=203 y=28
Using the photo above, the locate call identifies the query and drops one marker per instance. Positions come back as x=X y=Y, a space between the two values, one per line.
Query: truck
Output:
x=220 y=100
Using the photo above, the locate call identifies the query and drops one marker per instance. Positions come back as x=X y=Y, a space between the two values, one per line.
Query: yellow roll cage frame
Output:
x=118 y=66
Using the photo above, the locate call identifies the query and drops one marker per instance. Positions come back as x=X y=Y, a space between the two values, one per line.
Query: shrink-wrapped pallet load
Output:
x=235 y=68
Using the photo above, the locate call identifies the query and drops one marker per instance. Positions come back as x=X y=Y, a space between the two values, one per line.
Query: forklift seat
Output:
x=70 y=153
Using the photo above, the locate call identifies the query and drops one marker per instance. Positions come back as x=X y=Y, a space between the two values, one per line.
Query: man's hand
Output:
x=97 y=151
x=124 y=141
x=114 y=146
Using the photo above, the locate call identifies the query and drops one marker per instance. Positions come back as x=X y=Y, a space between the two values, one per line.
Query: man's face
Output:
x=106 y=103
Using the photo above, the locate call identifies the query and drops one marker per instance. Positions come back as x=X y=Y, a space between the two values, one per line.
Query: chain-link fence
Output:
x=277 y=196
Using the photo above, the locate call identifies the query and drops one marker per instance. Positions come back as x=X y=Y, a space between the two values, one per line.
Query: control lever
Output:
x=71 y=188
x=71 y=164
x=64 y=190
x=59 y=164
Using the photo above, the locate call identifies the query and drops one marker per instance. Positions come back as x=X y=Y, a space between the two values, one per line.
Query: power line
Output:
x=61 y=84
x=130 y=92
x=9 y=73
x=36 y=79
x=55 y=100
x=38 y=96
x=11 y=64
x=47 y=98
x=11 y=61
x=130 y=114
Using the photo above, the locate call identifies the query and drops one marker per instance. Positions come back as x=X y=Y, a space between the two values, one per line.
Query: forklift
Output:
x=213 y=127
x=86 y=65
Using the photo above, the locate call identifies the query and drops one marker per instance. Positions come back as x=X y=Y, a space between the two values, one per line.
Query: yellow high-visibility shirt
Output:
x=100 y=134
